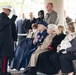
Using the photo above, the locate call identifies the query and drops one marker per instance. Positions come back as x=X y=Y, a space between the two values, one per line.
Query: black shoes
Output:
x=32 y=71
x=26 y=70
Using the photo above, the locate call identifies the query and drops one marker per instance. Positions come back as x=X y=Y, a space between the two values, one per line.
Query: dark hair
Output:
x=68 y=19
x=34 y=25
x=42 y=13
x=71 y=26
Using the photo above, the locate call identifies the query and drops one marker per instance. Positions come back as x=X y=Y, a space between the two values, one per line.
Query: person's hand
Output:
x=39 y=48
x=34 y=41
x=13 y=12
x=58 y=48
x=30 y=30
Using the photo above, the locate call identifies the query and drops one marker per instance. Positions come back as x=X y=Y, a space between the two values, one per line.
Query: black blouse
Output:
x=57 y=40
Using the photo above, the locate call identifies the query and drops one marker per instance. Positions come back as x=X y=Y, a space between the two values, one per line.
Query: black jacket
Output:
x=28 y=24
x=57 y=40
x=14 y=32
x=6 y=45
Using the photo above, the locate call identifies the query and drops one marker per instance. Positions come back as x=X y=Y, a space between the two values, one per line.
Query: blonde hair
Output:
x=71 y=26
x=60 y=29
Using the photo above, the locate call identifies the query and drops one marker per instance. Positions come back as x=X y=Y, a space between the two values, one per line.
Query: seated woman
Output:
x=44 y=64
x=66 y=59
x=26 y=45
x=34 y=31
x=65 y=51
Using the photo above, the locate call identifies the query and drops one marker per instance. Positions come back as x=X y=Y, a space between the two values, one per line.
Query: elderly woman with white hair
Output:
x=44 y=64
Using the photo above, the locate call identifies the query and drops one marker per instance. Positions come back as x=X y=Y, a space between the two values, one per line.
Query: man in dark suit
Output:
x=29 y=22
x=6 y=45
x=21 y=27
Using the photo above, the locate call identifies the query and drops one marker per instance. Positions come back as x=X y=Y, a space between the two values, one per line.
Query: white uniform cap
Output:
x=7 y=7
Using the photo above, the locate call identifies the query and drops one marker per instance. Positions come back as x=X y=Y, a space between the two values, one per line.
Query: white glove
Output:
x=13 y=12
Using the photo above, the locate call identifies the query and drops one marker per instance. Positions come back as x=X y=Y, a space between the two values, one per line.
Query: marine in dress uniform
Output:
x=6 y=44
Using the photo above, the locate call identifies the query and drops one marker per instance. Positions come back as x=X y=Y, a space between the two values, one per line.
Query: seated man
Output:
x=43 y=33
x=23 y=52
